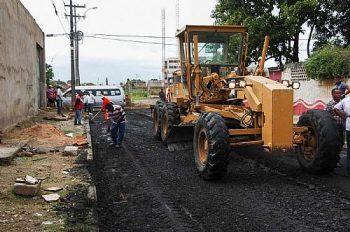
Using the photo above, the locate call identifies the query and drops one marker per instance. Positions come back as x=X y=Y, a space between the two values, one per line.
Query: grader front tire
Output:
x=319 y=153
x=157 y=118
x=211 y=147
x=170 y=118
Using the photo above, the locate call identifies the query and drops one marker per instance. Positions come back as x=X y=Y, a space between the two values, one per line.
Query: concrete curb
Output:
x=91 y=195
x=88 y=137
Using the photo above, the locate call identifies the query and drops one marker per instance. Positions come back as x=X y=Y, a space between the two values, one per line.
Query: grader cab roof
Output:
x=211 y=28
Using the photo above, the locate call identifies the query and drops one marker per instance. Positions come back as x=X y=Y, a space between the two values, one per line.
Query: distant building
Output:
x=154 y=86
x=171 y=64
x=134 y=84
x=138 y=84
x=22 y=64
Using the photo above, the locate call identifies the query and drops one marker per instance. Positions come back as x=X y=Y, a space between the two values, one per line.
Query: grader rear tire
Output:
x=170 y=118
x=211 y=146
x=157 y=118
x=319 y=153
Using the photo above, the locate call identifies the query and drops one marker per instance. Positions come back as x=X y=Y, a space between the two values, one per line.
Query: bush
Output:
x=329 y=62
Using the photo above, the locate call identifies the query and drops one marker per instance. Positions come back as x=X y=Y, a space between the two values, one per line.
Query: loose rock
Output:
x=51 y=197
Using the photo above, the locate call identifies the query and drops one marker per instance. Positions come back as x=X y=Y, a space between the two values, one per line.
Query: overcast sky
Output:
x=116 y=60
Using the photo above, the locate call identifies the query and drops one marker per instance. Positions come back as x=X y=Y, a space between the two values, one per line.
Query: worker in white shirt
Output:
x=90 y=101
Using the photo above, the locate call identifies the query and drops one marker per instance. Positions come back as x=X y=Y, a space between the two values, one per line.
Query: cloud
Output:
x=115 y=59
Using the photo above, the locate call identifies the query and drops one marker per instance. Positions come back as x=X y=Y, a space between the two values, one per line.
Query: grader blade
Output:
x=180 y=138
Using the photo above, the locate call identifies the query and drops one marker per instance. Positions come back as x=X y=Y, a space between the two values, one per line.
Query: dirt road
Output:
x=144 y=187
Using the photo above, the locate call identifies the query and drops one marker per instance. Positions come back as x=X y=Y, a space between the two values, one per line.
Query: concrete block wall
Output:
x=22 y=64
x=312 y=94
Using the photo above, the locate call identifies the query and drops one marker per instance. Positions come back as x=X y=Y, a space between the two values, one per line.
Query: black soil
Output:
x=144 y=187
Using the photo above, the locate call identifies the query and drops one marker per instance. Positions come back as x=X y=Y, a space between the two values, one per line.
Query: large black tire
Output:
x=170 y=118
x=157 y=118
x=211 y=146
x=319 y=153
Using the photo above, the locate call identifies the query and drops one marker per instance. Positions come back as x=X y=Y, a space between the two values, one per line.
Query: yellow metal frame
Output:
x=270 y=103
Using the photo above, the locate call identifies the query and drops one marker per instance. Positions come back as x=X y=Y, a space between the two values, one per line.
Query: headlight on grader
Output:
x=232 y=85
x=292 y=84
x=285 y=83
x=295 y=85
x=242 y=84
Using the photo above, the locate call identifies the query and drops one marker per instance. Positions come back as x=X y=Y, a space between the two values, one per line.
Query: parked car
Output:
x=113 y=93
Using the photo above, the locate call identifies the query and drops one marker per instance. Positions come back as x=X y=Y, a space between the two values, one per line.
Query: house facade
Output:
x=22 y=64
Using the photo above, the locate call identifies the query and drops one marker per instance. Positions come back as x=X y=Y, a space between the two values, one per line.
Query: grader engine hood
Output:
x=275 y=101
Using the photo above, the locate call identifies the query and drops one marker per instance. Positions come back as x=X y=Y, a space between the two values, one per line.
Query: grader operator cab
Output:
x=217 y=105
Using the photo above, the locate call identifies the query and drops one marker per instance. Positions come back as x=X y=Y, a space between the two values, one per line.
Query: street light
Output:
x=92 y=8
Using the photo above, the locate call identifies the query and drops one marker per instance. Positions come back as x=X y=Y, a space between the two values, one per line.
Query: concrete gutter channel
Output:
x=91 y=195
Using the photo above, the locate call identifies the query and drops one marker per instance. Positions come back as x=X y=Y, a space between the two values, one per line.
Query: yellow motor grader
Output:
x=217 y=105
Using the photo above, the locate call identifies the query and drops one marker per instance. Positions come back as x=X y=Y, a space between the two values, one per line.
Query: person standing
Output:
x=162 y=95
x=117 y=116
x=336 y=97
x=59 y=96
x=90 y=102
x=342 y=109
x=78 y=108
x=344 y=88
x=51 y=96
x=105 y=101
x=85 y=101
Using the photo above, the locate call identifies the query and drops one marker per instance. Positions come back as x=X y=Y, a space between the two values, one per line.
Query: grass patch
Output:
x=65 y=228
x=139 y=95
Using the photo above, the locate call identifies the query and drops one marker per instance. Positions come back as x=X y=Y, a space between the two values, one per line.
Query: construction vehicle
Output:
x=216 y=105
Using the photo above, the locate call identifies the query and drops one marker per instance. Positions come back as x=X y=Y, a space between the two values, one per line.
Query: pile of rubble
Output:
x=30 y=186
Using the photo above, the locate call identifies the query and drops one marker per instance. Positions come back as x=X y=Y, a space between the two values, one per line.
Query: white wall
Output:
x=311 y=90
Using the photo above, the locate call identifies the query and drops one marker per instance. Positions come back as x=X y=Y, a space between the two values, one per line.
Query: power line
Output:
x=53 y=4
x=137 y=36
x=56 y=13
x=125 y=40
x=65 y=11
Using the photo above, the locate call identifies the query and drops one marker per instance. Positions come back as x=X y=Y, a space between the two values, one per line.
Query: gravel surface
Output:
x=144 y=187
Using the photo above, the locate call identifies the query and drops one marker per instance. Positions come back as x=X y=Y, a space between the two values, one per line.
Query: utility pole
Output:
x=72 y=37
x=72 y=71
x=77 y=75
x=164 y=77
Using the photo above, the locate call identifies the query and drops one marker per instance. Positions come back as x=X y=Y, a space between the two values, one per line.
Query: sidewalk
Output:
x=37 y=148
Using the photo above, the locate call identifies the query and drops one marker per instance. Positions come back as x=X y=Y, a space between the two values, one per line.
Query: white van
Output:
x=113 y=93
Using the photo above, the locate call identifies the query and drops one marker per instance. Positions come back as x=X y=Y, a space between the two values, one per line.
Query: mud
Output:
x=144 y=187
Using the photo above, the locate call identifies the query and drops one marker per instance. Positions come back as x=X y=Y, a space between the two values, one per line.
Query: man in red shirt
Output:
x=78 y=108
x=105 y=101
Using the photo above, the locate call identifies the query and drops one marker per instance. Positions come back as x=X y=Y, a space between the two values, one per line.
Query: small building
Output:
x=154 y=86
x=171 y=64
x=22 y=64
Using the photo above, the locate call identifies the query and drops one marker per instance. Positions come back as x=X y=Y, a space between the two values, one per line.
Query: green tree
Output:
x=49 y=74
x=332 y=23
x=329 y=62
x=283 y=20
